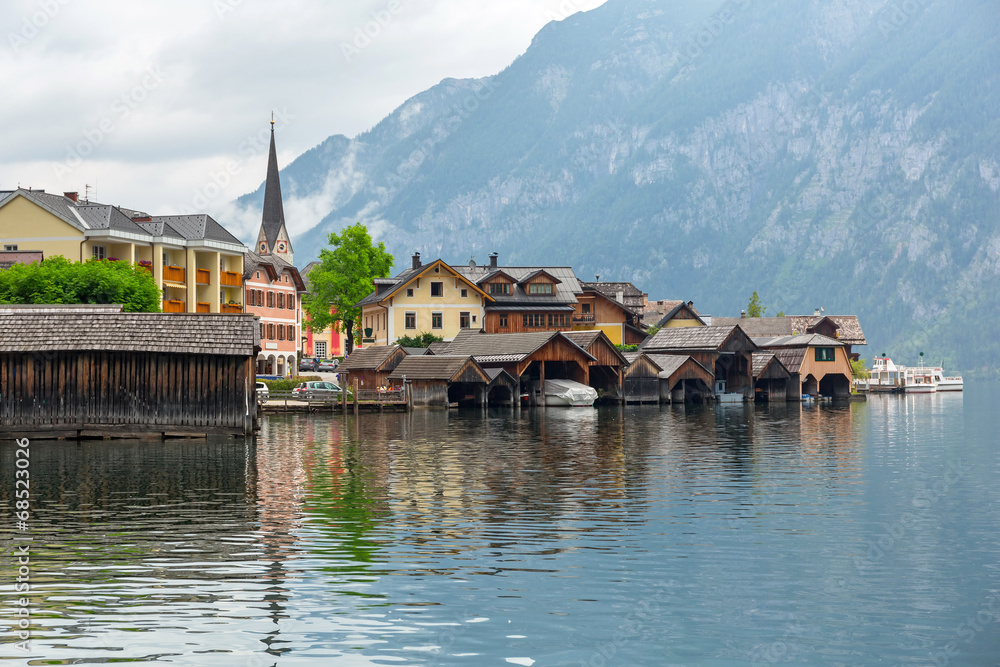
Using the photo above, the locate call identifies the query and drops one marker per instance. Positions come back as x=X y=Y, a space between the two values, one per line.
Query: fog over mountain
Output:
x=834 y=153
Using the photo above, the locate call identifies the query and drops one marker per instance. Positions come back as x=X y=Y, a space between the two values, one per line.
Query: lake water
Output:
x=719 y=535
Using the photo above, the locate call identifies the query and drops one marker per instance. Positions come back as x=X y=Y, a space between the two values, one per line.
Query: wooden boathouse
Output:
x=666 y=378
x=608 y=364
x=725 y=351
x=79 y=371
x=370 y=366
x=438 y=381
x=770 y=377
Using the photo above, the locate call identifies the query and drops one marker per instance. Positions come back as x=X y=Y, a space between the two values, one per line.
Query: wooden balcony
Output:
x=173 y=306
x=232 y=308
x=204 y=307
x=584 y=318
x=232 y=279
x=146 y=267
x=174 y=274
x=203 y=277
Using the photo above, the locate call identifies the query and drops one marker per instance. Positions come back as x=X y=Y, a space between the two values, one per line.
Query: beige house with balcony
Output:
x=195 y=261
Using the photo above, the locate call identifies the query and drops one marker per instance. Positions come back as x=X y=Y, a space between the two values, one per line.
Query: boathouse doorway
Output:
x=835 y=385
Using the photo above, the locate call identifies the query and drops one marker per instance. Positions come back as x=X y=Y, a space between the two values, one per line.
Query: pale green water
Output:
x=853 y=534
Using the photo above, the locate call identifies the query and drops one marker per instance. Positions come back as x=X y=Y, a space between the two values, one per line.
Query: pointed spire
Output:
x=274 y=213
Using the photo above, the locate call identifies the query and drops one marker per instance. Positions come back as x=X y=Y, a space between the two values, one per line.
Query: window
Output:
x=281 y=300
x=465 y=292
x=540 y=288
x=586 y=309
x=270 y=299
x=534 y=320
x=281 y=332
x=100 y=252
x=10 y=248
x=499 y=288
x=437 y=289
x=258 y=276
x=825 y=354
x=411 y=321
x=409 y=292
x=560 y=320
x=263 y=331
x=464 y=320
x=473 y=319
x=503 y=320
x=320 y=349
x=289 y=332
x=270 y=332
x=437 y=321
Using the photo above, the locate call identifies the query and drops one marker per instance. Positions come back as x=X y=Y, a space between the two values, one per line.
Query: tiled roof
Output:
x=501 y=348
x=791 y=358
x=75 y=329
x=430 y=367
x=760 y=362
x=688 y=338
x=252 y=261
x=808 y=340
x=201 y=226
x=58 y=205
x=849 y=330
x=631 y=296
x=368 y=358
x=415 y=351
x=564 y=292
x=583 y=338
x=103 y=216
x=384 y=286
x=438 y=347
x=668 y=363
x=757 y=327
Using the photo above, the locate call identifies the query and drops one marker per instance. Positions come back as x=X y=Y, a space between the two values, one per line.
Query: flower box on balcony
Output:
x=232 y=308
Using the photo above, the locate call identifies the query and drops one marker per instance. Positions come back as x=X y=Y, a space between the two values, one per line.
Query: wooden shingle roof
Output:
x=791 y=358
x=760 y=362
x=503 y=348
x=432 y=367
x=368 y=358
x=75 y=329
x=689 y=338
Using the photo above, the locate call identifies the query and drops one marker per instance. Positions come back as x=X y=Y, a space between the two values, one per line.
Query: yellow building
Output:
x=195 y=261
x=426 y=298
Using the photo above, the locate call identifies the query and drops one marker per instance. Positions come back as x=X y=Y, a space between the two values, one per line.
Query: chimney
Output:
x=144 y=218
x=691 y=305
x=743 y=313
x=75 y=196
x=416 y=260
x=816 y=312
x=620 y=297
x=493 y=260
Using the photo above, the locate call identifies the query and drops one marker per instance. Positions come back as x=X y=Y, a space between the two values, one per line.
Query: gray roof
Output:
x=199 y=226
x=631 y=296
x=848 y=332
x=808 y=340
x=757 y=327
x=384 y=287
x=430 y=367
x=564 y=292
x=791 y=358
x=502 y=348
x=62 y=207
x=416 y=351
x=688 y=338
x=103 y=216
x=438 y=347
x=75 y=329
x=273 y=218
x=367 y=358
x=760 y=362
x=669 y=363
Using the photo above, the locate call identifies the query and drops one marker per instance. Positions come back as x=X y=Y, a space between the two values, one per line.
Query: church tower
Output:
x=273 y=238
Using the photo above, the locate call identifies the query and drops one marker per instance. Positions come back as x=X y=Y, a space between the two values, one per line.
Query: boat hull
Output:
x=920 y=389
x=950 y=385
x=568 y=394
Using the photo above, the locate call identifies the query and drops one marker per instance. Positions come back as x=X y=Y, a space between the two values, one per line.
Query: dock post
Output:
x=355 y=396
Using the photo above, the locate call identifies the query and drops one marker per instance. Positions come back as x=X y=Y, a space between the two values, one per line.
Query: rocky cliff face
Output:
x=835 y=153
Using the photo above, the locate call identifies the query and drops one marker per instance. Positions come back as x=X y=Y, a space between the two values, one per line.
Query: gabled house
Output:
x=770 y=377
x=844 y=328
x=370 y=367
x=675 y=314
x=608 y=364
x=725 y=351
x=274 y=291
x=663 y=378
x=818 y=365
x=195 y=261
x=432 y=297
x=549 y=298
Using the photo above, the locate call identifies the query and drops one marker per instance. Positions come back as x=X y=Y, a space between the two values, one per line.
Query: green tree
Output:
x=57 y=280
x=343 y=278
x=860 y=369
x=420 y=340
x=755 y=308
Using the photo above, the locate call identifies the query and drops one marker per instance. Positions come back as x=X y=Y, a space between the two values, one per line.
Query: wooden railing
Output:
x=203 y=276
x=174 y=274
x=585 y=317
x=375 y=396
x=173 y=306
x=232 y=279
x=204 y=307
x=232 y=308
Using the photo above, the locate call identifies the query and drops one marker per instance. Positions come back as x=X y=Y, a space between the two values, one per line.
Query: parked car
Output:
x=308 y=364
x=316 y=389
x=262 y=392
x=327 y=366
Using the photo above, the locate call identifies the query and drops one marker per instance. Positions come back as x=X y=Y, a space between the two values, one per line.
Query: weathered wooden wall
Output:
x=116 y=393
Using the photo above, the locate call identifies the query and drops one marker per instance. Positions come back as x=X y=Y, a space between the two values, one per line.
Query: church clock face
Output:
x=281 y=246
x=263 y=246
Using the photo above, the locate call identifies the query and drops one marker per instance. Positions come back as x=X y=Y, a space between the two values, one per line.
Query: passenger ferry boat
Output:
x=888 y=377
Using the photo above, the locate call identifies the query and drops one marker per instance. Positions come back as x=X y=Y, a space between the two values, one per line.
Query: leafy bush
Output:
x=290 y=383
x=421 y=340
x=57 y=280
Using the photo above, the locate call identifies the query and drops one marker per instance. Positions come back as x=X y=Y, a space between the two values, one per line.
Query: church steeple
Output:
x=273 y=237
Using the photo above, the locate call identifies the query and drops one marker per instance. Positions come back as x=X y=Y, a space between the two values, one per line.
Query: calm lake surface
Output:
x=853 y=534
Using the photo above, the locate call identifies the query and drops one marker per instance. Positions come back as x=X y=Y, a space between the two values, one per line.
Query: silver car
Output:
x=316 y=389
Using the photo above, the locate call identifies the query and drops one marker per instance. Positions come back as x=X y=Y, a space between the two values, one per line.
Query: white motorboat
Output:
x=920 y=380
x=945 y=383
x=567 y=393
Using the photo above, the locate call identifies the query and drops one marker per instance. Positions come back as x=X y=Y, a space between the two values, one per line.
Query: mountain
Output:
x=842 y=154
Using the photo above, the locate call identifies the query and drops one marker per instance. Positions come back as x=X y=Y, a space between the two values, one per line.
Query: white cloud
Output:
x=79 y=76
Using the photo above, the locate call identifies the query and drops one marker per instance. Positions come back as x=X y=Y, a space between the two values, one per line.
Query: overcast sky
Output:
x=145 y=101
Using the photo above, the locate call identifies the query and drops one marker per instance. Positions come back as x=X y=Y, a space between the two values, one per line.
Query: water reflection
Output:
x=699 y=533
